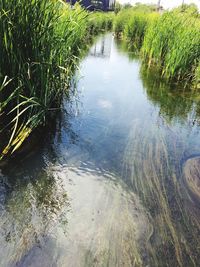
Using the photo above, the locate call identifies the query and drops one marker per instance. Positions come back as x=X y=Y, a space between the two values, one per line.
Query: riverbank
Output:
x=169 y=40
x=42 y=42
x=39 y=60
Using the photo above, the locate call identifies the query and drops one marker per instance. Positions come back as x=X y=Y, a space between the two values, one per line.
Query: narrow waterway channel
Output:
x=107 y=186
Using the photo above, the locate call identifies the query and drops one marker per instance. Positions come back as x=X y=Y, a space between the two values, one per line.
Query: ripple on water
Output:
x=106 y=224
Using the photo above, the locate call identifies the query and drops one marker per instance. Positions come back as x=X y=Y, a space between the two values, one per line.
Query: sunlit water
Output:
x=106 y=186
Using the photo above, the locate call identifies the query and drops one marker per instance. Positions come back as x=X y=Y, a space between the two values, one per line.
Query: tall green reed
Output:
x=100 y=22
x=172 y=42
x=121 y=20
x=41 y=41
x=135 y=29
x=169 y=40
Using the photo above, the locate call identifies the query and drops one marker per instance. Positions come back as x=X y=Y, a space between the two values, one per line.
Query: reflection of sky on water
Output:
x=102 y=49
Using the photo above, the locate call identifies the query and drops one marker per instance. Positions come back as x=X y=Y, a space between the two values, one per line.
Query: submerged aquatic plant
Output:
x=155 y=177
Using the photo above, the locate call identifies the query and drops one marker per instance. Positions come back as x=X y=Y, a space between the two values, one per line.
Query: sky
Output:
x=165 y=3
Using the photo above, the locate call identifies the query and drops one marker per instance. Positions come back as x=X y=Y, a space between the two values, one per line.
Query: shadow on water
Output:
x=175 y=102
x=106 y=186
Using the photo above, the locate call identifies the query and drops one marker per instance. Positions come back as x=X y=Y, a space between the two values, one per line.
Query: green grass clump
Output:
x=169 y=40
x=41 y=41
x=100 y=22
x=173 y=43
x=132 y=23
x=121 y=21
x=197 y=76
x=135 y=29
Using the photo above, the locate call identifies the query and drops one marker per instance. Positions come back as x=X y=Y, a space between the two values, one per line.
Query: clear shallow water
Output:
x=106 y=185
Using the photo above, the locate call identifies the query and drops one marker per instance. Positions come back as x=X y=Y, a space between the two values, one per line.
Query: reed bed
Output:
x=41 y=42
x=169 y=41
x=100 y=22
x=120 y=21
x=173 y=43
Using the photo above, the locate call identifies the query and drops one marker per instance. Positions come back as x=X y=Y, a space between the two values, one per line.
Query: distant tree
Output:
x=127 y=5
x=191 y=9
x=117 y=7
x=144 y=7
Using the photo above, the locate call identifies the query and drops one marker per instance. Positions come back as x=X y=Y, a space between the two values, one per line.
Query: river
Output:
x=105 y=186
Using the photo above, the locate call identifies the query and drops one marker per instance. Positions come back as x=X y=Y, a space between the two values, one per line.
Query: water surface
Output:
x=106 y=186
